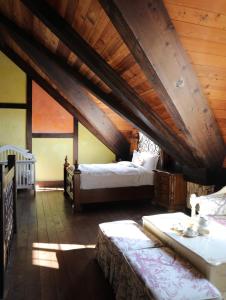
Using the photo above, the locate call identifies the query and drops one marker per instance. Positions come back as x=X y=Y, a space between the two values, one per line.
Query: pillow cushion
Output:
x=213 y=205
x=145 y=159
x=137 y=159
x=150 y=160
x=150 y=163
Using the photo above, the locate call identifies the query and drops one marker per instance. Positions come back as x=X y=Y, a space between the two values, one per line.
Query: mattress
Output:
x=112 y=175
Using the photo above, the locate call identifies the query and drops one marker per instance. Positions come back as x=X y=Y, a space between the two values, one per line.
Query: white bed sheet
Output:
x=121 y=174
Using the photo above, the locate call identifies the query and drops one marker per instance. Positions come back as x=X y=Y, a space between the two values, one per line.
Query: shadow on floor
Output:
x=84 y=276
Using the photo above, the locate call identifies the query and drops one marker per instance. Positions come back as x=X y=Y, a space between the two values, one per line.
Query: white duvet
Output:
x=121 y=174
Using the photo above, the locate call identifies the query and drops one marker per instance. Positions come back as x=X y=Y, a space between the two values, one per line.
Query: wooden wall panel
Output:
x=201 y=26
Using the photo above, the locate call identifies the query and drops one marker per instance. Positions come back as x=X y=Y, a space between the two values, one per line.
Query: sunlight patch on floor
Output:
x=45 y=259
x=62 y=247
x=43 y=254
x=47 y=189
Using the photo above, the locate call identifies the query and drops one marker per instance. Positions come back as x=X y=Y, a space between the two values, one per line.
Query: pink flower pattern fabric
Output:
x=166 y=276
x=219 y=219
x=114 y=239
x=128 y=235
x=138 y=267
x=213 y=205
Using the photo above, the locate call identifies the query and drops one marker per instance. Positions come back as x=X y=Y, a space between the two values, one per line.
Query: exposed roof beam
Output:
x=48 y=88
x=119 y=86
x=60 y=99
x=175 y=149
x=146 y=28
x=74 y=92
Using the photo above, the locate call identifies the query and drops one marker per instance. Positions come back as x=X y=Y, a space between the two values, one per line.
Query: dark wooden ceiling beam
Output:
x=63 y=101
x=146 y=28
x=49 y=89
x=119 y=86
x=120 y=108
x=173 y=147
x=76 y=95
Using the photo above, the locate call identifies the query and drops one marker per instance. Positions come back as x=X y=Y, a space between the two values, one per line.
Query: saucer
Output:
x=203 y=231
x=190 y=233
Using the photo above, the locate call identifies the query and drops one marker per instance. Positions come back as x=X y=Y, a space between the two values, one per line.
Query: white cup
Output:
x=190 y=232
x=203 y=222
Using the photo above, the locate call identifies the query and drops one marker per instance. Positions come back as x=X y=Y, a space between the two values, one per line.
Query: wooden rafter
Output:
x=173 y=148
x=120 y=88
x=75 y=93
x=48 y=88
x=150 y=35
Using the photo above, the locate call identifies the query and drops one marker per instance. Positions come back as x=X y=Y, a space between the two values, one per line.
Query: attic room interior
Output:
x=112 y=149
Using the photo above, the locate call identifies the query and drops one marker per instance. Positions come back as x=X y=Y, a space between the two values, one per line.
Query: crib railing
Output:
x=25 y=174
x=8 y=225
x=25 y=161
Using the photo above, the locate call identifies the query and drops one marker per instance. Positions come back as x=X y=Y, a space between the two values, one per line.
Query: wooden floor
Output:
x=53 y=256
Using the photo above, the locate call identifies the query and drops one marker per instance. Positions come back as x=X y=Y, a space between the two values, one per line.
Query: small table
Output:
x=207 y=253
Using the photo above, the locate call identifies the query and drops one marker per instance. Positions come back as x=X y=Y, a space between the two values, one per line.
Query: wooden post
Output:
x=12 y=164
x=29 y=114
x=66 y=165
x=76 y=188
x=75 y=139
x=1 y=234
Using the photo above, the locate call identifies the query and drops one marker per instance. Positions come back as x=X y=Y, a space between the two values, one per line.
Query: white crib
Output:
x=25 y=165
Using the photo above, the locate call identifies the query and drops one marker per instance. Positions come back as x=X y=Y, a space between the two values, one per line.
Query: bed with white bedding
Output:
x=121 y=174
x=125 y=180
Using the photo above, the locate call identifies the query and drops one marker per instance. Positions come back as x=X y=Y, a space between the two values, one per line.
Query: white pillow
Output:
x=137 y=158
x=213 y=205
x=145 y=159
x=150 y=161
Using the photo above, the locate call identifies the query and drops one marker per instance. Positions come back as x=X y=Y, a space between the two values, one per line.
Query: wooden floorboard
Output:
x=52 y=255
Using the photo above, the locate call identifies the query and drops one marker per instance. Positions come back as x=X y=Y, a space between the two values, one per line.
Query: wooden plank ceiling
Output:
x=130 y=96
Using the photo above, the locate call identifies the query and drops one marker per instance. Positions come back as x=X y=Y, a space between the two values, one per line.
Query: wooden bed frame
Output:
x=8 y=225
x=78 y=196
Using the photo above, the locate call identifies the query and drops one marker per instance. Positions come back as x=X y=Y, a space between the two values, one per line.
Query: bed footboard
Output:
x=72 y=184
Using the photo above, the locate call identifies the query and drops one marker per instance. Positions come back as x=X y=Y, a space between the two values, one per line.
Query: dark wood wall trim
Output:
x=71 y=88
x=50 y=184
x=29 y=114
x=75 y=140
x=48 y=88
x=13 y=105
x=52 y=135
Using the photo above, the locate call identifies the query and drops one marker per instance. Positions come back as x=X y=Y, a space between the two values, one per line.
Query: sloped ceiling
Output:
x=201 y=27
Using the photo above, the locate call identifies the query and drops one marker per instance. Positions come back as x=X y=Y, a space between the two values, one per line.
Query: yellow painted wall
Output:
x=13 y=127
x=12 y=81
x=91 y=150
x=50 y=154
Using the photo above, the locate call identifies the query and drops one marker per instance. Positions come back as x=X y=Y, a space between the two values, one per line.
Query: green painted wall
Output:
x=13 y=127
x=91 y=150
x=12 y=89
x=50 y=155
x=12 y=82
